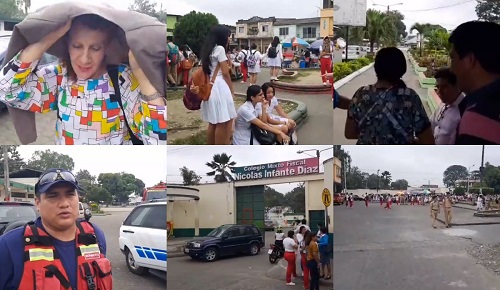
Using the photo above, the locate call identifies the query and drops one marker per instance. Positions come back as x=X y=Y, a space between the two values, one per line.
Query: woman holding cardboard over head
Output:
x=91 y=107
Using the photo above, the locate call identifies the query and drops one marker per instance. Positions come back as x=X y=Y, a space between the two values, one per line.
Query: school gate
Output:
x=208 y=206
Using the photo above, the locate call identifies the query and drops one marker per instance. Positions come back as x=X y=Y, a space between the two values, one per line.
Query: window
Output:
x=284 y=31
x=309 y=32
x=234 y=232
x=148 y=216
x=241 y=29
x=255 y=230
x=248 y=231
x=265 y=28
x=324 y=24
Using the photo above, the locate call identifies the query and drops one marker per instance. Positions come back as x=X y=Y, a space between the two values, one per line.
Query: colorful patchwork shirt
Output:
x=86 y=112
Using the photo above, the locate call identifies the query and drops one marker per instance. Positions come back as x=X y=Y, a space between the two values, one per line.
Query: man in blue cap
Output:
x=57 y=250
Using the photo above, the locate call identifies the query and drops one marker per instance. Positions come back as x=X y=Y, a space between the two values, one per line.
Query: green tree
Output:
x=459 y=191
x=15 y=161
x=488 y=10
x=120 y=185
x=11 y=9
x=43 y=160
x=400 y=184
x=492 y=176
x=385 y=180
x=296 y=198
x=454 y=173
x=139 y=186
x=438 y=40
x=380 y=27
x=189 y=177
x=355 y=178
x=98 y=194
x=144 y=6
x=398 y=18
x=273 y=198
x=193 y=28
x=222 y=167
x=85 y=179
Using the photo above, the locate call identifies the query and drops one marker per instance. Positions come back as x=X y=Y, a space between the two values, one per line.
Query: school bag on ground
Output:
x=272 y=52
x=252 y=60
x=202 y=88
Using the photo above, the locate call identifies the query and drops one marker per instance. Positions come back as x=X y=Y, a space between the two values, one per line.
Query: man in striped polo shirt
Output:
x=475 y=59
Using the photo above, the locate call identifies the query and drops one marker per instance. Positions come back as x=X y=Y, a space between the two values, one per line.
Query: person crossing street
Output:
x=447 y=204
x=434 y=206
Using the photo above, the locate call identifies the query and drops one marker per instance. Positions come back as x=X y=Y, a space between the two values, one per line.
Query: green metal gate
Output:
x=316 y=217
x=250 y=206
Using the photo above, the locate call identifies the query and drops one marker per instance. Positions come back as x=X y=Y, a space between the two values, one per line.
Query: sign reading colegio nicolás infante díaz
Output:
x=278 y=169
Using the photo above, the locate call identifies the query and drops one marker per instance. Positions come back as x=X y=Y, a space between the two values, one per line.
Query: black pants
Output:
x=314 y=272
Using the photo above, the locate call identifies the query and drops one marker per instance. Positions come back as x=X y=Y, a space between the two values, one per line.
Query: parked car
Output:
x=358 y=198
x=143 y=239
x=16 y=214
x=338 y=199
x=4 y=43
x=269 y=225
x=226 y=240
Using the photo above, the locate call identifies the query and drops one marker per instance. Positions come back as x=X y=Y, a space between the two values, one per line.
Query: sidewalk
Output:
x=316 y=129
x=367 y=78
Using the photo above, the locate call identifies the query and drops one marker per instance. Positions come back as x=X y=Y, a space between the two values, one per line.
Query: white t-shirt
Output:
x=288 y=243
x=279 y=50
x=300 y=240
x=218 y=55
x=241 y=55
x=279 y=236
x=246 y=113
x=272 y=105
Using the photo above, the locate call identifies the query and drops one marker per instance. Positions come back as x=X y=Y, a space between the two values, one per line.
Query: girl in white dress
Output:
x=253 y=52
x=218 y=111
x=275 y=62
x=248 y=115
x=282 y=119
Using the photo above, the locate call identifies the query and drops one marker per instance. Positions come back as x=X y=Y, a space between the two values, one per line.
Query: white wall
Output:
x=292 y=31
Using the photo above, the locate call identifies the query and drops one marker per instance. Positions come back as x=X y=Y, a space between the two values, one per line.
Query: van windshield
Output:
x=156 y=194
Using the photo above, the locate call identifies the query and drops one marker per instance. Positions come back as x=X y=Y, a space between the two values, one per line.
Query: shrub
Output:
x=341 y=70
x=94 y=207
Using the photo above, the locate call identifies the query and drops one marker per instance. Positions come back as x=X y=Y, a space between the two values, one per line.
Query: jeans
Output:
x=314 y=272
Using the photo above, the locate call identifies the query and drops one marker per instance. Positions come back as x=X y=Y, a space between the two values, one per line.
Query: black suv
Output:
x=16 y=214
x=226 y=240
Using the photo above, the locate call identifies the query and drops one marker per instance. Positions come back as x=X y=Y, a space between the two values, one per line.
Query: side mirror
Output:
x=87 y=214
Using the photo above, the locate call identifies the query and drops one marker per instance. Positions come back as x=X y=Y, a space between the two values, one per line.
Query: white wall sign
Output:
x=349 y=12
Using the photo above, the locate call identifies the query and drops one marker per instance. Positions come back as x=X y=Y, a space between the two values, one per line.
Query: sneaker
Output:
x=243 y=82
x=324 y=84
x=290 y=284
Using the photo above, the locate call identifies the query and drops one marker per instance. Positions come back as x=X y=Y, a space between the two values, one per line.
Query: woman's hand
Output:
x=35 y=51
x=285 y=138
x=292 y=122
x=328 y=75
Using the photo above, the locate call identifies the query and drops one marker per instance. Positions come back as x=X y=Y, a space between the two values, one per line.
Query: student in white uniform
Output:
x=290 y=248
x=282 y=119
x=219 y=110
x=253 y=69
x=275 y=54
x=248 y=115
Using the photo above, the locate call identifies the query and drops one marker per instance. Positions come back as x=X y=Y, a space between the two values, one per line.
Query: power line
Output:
x=441 y=7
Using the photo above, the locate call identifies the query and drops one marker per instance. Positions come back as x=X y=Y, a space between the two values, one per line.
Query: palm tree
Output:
x=379 y=26
x=386 y=177
x=222 y=166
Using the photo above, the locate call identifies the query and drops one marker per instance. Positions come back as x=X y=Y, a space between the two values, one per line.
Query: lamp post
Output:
x=316 y=150
x=481 y=172
x=378 y=180
x=468 y=178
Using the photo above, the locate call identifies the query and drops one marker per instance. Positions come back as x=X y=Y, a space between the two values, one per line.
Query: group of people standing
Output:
x=308 y=249
x=389 y=112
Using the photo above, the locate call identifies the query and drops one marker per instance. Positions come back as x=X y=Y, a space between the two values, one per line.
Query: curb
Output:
x=345 y=80
x=299 y=115
x=470 y=224
x=307 y=89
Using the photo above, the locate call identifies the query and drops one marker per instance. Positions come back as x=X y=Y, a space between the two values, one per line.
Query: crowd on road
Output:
x=309 y=250
x=389 y=112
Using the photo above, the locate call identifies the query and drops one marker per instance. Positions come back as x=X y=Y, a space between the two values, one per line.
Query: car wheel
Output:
x=132 y=265
x=254 y=249
x=210 y=254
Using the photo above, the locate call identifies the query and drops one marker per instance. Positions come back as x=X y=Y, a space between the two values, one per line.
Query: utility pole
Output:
x=388 y=6
x=481 y=172
x=468 y=178
x=6 y=171
x=378 y=180
x=345 y=177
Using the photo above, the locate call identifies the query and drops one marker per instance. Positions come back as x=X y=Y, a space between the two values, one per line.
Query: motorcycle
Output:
x=275 y=253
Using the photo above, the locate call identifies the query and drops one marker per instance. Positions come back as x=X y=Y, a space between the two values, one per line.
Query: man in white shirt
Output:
x=446 y=118
x=302 y=223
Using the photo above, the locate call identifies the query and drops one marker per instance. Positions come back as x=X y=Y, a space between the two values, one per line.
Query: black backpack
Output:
x=273 y=52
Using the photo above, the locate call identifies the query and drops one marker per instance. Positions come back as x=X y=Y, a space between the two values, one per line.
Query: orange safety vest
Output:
x=43 y=269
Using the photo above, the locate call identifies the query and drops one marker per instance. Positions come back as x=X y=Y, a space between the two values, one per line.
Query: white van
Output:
x=81 y=207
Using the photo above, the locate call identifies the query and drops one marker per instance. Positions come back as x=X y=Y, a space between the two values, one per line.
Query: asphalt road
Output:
x=398 y=249
x=233 y=273
x=45 y=126
x=123 y=279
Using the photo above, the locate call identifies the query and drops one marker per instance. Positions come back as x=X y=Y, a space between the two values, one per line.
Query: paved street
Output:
x=398 y=249
x=365 y=79
x=123 y=279
x=233 y=273
x=45 y=127
x=316 y=130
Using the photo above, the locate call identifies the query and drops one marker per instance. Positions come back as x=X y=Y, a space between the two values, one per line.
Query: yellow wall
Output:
x=337 y=170
x=326 y=15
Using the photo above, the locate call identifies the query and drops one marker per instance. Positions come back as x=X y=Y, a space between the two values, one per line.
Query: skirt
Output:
x=274 y=62
x=220 y=106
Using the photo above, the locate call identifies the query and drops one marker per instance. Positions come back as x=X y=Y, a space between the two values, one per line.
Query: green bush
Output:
x=94 y=207
x=341 y=70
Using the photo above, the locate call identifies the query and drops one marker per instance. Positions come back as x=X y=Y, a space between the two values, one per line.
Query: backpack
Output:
x=252 y=60
x=173 y=53
x=272 y=52
x=199 y=88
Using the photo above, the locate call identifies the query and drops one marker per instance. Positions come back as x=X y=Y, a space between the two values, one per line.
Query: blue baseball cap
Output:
x=55 y=176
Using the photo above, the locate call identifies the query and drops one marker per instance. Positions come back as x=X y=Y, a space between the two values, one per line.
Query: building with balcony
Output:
x=326 y=19
x=306 y=28
x=172 y=21
x=255 y=30
x=234 y=40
